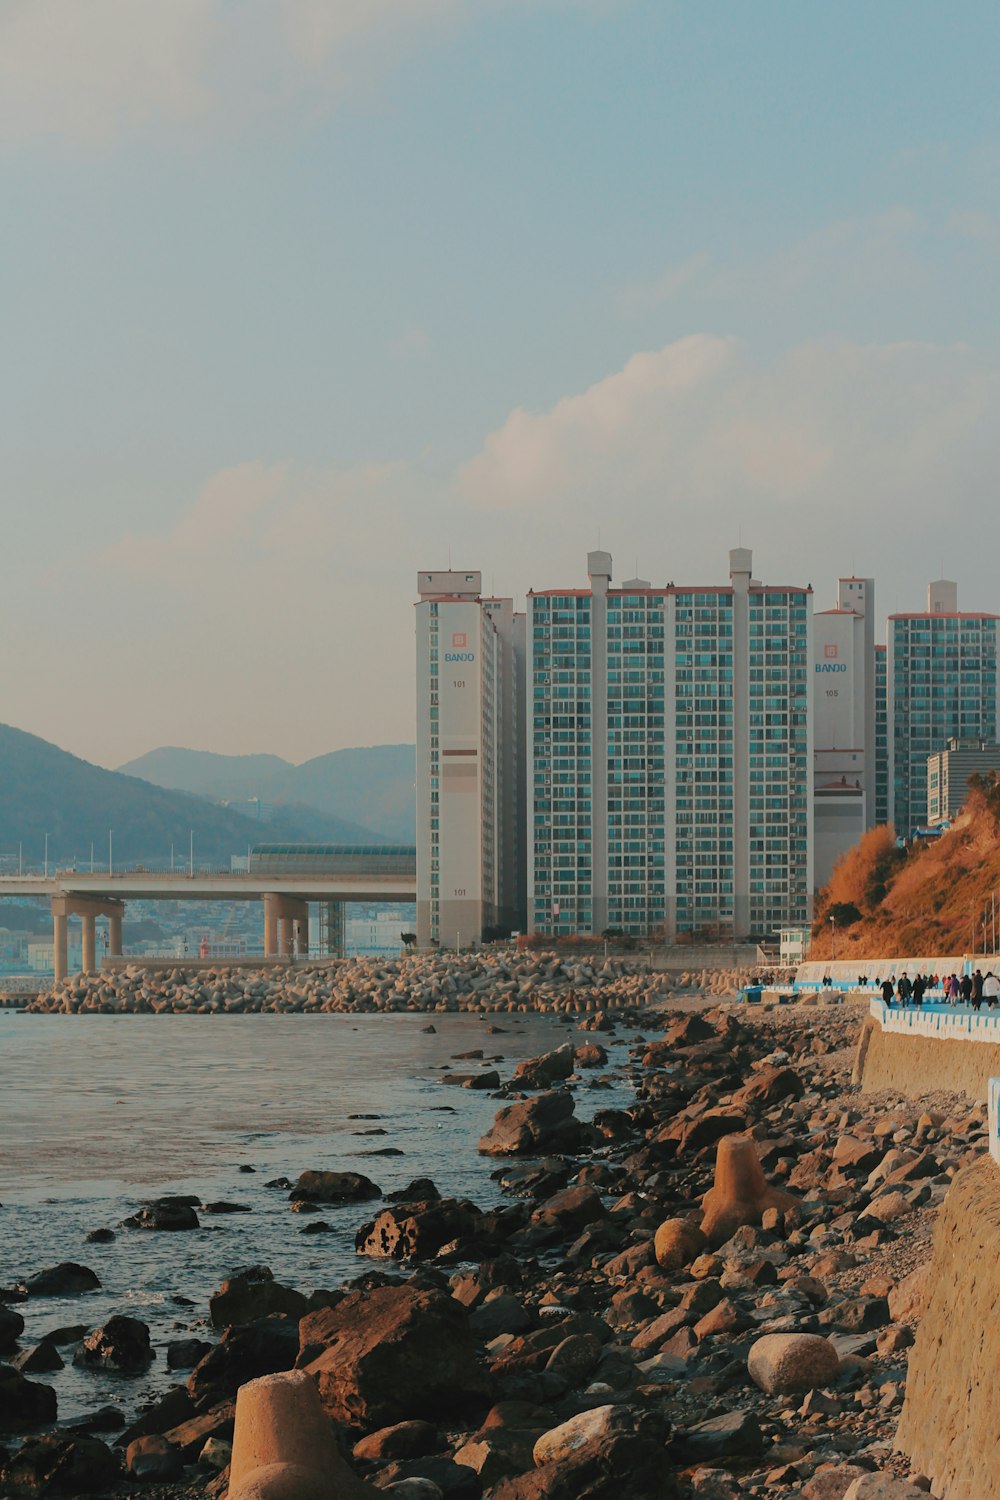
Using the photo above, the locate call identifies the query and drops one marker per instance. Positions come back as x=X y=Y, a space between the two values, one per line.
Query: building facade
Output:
x=881 y=738
x=948 y=773
x=669 y=756
x=469 y=759
x=941 y=684
x=844 y=704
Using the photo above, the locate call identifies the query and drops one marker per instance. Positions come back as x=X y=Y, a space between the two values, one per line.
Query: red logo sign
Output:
x=830 y=652
x=459 y=639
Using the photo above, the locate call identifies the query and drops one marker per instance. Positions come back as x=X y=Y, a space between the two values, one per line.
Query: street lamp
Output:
x=111 y=865
x=46 y=856
x=833 y=940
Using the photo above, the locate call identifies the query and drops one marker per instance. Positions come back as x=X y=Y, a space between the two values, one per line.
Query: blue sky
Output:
x=300 y=296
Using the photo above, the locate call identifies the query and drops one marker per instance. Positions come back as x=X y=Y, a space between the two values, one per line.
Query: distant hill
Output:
x=373 y=784
x=45 y=790
x=928 y=899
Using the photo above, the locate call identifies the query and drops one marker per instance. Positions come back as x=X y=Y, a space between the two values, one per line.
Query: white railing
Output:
x=946 y=1022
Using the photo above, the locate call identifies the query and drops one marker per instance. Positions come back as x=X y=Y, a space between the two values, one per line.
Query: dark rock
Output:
x=454 y=1481
x=542 y=1072
x=58 y=1465
x=184 y=1354
x=570 y=1210
x=190 y=1437
x=100 y=1236
x=222 y=1207
x=391 y=1354
x=316 y=1226
x=43 y=1358
x=252 y=1293
x=402 y=1440
x=334 y=1187
x=11 y=1328
x=152 y=1460
x=769 y=1086
x=172 y=1408
x=262 y=1348
x=122 y=1344
x=420 y=1190
x=65 y=1280
x=545 y=1123
x=104 y=1419
x=734 y=1434
x=418 y=1230
x=24 y=1403
x=246 y=1167
x=166 y=1214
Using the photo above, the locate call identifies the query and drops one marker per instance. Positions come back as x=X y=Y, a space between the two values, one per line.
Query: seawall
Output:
x=950 y=1423
x=917 y=1052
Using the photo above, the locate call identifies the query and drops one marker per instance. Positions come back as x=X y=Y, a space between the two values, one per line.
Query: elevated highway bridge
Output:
x=284 y=877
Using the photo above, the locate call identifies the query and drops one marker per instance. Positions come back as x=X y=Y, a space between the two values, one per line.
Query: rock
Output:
x=391 y=1354
x=590 y=1055
x=216 y=1454
x=496 y=1315
x=418 y=1230
x=714 y=1484
x=184 y=1354
x=11 y=1328
x=741 y=1193
x=565 y=1440
x=190 y=1437
x=24 y=1403
x=58 y=1465
x=65 y=1280
x=246 y=1352
x=104 y=1419
x=250 y=1294
x=450 y=1480
x=401 y=1440
x=152 y=1459
x=781 y=1363
x=334 y=1187
x=122 y=1344
x=677 y=1243
x=883 y=1487
x=570 y=1210
x=906 y=1300
x=542 y=1072
x=40 y=1360
x=415 y=1489
x=168 y=1215
x=533 y=1126
x=734 y=1434
x=832 y=1483
x=769 y=1086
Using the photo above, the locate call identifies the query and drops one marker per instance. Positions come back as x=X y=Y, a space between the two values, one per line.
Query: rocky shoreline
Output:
x=606 y=1331
x=490 y=980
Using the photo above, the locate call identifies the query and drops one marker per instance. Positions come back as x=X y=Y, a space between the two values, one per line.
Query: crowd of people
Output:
x=952 y=989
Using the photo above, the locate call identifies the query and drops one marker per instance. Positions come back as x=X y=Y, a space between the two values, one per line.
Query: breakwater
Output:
x=931 y=1047
x=487 y=981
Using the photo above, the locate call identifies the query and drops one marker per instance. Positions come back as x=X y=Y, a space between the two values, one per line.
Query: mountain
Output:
x=45 y=790
x=374 y=784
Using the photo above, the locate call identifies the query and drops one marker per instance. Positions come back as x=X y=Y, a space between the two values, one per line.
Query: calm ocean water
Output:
x=100 y=1113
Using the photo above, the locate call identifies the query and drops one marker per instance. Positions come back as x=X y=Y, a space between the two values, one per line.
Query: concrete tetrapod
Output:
x=741 y=1192
x=283 y=1445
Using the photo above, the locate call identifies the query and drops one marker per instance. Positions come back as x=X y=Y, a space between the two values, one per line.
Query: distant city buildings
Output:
x=675 y=761
x=948 y=773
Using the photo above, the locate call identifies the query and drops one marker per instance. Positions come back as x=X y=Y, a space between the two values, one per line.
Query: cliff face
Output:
x=950 y=1424
x=916 y=1065
x=931 y=898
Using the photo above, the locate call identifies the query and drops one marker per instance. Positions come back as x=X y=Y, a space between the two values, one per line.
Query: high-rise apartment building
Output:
x=941 y=684
x=881 y=738
x=844 y=698
x=669 y=756
x=469 y=759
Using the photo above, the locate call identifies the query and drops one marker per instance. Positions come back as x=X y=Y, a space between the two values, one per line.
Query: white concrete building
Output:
x=469 y=759
x=844 y=719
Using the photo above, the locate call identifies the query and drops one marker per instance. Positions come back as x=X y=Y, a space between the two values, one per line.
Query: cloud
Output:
x=644 y=296
x=87 y=72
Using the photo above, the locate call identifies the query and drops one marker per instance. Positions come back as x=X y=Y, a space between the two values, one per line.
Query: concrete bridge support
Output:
x=286 y=926
x=64 y=907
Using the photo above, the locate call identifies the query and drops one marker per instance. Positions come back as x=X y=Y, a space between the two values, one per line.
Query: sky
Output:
x=301 y=297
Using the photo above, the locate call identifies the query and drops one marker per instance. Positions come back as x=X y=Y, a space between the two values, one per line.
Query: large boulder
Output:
x=542 y=1072
x=122 y=1344
x=418 y=1230
x=533 y=1126
x=391 y=1354
x=677 y=1243
x=334 y=1187
x=570 y=1210
x=600 y=1454
x=165 y=1214
x=769 y=1086
x=65 y=1280
x=11 y=1328
x=24 y=1403
x=781 y=1363
x=263 y=1348
x=59 y=1465
x=252 y=1293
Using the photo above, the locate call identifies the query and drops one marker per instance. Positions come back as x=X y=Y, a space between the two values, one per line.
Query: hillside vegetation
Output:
x=929 y=899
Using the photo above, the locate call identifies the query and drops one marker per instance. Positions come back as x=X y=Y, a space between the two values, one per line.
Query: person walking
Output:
x=887 y=991
x=965 y=989
x=917 y=993
x=953 y=991
x=991 y=989
x=904 y=989
x=977 y=989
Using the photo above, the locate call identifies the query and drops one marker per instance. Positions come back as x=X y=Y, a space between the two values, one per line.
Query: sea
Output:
x=99 y=1114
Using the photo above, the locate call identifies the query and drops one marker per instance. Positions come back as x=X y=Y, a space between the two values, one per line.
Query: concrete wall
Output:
x=950 y=1423
x=916 y=1052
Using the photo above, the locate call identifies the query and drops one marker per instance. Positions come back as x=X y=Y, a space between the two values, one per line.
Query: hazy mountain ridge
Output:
x=372 y=785
x=46 y=790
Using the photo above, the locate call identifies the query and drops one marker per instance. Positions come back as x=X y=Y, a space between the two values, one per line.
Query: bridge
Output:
x=284 y=877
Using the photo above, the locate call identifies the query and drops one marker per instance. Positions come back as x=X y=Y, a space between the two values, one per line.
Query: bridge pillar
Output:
x=60 y=945
x=115 y=935
x=302 y=934
x=284 y=937
x=335 y=934
x=270 y=926
x=89 y=960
